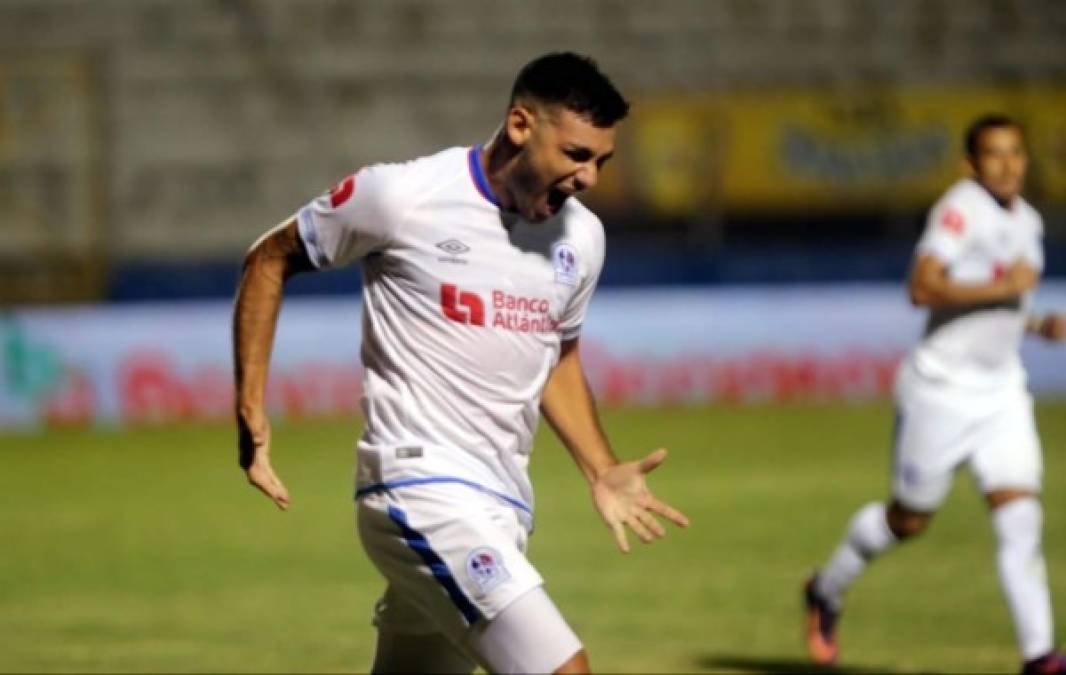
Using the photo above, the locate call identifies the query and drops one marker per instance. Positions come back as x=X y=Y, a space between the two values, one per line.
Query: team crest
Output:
x=564 y=260
x=485 y=568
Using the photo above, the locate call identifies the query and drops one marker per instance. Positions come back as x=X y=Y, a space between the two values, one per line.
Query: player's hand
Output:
x=253 y=440
x=1053 y=327
x=622 y=497
x=1021 y=277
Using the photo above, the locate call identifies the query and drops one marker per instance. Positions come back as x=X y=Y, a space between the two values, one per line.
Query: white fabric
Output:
x=530 y=636
x=941 y=426
x=977 y=239
x=469 y=540
x=868 y=536
x=1023 y=573
x=464 y=311
x=420 y=539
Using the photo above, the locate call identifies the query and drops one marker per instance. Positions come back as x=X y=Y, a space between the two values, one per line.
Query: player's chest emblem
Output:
x=564 y=261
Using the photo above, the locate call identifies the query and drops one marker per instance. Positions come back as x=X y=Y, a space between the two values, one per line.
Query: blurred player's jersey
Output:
x=978 y=240
x=464 y=309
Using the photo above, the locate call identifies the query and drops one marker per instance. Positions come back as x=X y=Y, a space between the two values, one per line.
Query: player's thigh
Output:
x=933 y=434
x=1008 y=455
x=529 y=636
x=455 y=557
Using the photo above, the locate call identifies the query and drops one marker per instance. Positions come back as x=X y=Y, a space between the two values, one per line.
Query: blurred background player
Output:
x=962 y=397
x=478 y=268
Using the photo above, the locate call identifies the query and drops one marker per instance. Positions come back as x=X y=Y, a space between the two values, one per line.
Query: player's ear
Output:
x=519 y=124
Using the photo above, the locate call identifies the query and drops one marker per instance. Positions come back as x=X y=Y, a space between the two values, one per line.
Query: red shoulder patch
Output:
x=953 y=222
x=342 y=191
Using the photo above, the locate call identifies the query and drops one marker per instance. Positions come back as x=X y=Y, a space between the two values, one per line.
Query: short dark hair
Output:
x=972 y=139
x=574 y=82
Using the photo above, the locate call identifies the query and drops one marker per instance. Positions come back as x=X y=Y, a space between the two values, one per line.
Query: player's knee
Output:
x=998 y=498
x=905 y=523
x=578 y=663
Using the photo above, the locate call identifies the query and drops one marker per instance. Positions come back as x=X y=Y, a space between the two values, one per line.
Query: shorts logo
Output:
x=564 y=260
x=485 y=568
x=911 y=474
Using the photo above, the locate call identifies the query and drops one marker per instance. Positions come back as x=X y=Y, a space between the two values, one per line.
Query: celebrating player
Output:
x=478 y=265
x=961 y=395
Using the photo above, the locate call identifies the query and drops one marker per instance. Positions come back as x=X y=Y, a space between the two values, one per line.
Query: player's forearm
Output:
x=570 y=408
x=270 y=262
x=942 y=292
x=255 y=317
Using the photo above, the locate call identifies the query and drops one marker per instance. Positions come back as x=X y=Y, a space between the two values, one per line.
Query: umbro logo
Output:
x=453 y=246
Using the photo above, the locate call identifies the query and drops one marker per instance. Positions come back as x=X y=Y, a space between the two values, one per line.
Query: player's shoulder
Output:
x=413 y=173
x=395 y=186
x=966 y=194
x=962 y=207
x=1029 y=213
x=584 y=226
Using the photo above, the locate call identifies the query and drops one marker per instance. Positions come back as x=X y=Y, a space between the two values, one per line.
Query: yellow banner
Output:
x=832 y=150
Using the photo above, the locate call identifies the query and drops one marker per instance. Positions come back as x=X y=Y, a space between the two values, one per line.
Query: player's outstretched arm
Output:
x=619 y=489
x=275 y=257
x=930 y=285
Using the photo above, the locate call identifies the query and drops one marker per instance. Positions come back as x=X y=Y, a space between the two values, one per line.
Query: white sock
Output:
x=1022 y=572
x=868 y=536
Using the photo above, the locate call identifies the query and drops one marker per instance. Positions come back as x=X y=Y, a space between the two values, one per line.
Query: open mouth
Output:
x=556 y=199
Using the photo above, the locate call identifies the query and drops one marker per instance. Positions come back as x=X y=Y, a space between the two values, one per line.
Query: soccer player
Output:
x=961 y=394
x=478 y=265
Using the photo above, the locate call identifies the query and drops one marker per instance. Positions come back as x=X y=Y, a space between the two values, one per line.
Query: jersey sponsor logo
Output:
x=342 y=192
x=517 y=313
x=953 y=222
x=564 y=260
x=486 y=569
x=522 y=314
x=462 y=306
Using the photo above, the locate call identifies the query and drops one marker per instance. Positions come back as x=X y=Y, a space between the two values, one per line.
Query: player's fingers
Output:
x=267 y=482
x=281 y=496
x=620 y=536
x=654 y=526
x=641 y=531
x=652 y=461
x=668 y=512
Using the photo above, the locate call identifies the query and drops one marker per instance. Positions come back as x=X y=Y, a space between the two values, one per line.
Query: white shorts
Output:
x=454 y=559
x=940 y=427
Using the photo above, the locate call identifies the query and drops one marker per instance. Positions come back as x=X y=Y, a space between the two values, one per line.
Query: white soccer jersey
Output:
x=978 y=240
x=464 y=308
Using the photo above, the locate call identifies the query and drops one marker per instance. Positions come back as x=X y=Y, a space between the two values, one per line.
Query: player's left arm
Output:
x=1051 y=326
x=619 y=489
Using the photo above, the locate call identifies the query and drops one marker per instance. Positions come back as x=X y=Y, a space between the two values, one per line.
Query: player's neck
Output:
x=497 y=159
x=1005 y=204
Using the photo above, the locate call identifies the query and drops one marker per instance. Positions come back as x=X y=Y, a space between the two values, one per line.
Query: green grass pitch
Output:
x=146 y=550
